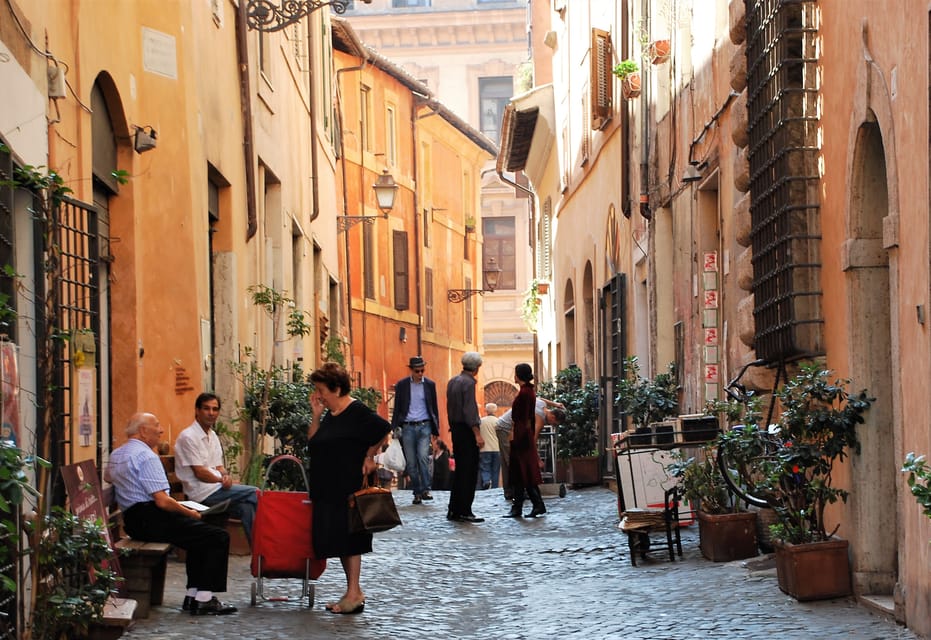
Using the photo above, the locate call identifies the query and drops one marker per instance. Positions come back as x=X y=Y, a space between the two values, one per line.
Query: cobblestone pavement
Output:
x=566 y=575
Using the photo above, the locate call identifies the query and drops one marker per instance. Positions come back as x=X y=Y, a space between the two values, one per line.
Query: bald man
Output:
x=152 y=515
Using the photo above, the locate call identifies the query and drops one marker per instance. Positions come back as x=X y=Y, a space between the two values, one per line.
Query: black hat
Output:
x=415 y=362
x=524 y=372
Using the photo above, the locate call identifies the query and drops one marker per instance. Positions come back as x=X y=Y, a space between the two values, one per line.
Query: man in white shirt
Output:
x=199 y=465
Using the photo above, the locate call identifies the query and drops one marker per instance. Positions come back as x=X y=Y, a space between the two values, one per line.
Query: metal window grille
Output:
x=782 y=86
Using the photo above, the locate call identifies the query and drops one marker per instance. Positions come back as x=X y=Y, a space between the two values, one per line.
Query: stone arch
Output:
x=569 y=325
x=501 y=393
x=869 y=259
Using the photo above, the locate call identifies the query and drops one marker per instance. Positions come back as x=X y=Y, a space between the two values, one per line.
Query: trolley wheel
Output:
x=253 y=598
x=310 y=597
x=562 y=490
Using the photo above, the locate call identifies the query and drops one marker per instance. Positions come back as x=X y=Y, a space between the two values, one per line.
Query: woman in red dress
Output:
x=524 y=467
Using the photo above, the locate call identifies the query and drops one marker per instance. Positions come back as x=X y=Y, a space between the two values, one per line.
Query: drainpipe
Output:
x=342 y=164
x=312 y=99
x=645 y=126
x=245 y=97
x=533 y=246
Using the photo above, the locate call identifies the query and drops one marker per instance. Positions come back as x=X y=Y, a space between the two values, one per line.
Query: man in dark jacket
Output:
x=462 y=413
x=415 y=413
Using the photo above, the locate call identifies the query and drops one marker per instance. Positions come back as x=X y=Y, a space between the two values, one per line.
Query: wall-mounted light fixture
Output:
x=692 y=172
x=490 y=273
x=265 y=15
x=144 y=139
x=385 y=191
x=402 y=334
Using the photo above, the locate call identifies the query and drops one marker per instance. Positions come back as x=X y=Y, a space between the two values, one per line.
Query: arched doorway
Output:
x=872 y=292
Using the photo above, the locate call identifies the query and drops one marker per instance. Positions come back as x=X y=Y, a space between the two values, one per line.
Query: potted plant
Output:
x=629 y=73
x=659 y=50
x=577 y=436
x=646 y=401
x=919 y=480
x=470 y=224
x=531 y=305
x=817 y=428
x=726 y=532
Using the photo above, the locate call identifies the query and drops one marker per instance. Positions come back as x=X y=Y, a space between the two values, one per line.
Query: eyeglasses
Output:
x=418 y=370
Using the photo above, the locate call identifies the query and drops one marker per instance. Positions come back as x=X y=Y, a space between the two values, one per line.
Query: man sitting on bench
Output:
x=152 y=515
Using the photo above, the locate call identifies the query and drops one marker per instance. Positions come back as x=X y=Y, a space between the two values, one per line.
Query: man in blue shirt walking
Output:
x=415 y=413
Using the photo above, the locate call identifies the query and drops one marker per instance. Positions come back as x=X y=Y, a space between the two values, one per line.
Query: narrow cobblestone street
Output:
x=566 y=575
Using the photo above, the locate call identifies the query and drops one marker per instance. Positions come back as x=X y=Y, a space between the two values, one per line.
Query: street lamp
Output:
x=491 y=273
x=265 y=15
x=385 y=189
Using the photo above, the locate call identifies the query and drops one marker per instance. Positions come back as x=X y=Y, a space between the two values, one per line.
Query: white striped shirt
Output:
x=136 y=473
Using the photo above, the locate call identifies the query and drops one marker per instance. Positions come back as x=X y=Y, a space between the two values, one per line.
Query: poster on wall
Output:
x=86 y=412
x=9 y=394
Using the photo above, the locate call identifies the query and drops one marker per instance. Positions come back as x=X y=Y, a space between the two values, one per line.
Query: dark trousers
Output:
x=466 y=452
x=207 y=546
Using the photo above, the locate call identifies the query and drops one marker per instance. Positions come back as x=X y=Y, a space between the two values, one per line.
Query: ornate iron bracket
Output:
x=345 y=222
x=461 y=295
x=266 y=15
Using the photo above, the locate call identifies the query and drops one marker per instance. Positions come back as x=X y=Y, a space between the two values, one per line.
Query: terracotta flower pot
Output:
x=659 y=51
x=727 y=536
x=630 y=86
x=813 y=571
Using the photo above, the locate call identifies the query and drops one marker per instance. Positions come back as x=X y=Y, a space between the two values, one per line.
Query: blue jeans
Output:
x=489 y=466
x=243 y=501
x=415 y=440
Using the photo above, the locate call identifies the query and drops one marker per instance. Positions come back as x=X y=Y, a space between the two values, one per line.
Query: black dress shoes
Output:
x=187 y=604
x=212 y=607
x=470 y=518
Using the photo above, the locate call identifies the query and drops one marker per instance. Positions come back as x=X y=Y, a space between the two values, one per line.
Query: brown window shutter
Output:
x=601 y=81
x=401 y=273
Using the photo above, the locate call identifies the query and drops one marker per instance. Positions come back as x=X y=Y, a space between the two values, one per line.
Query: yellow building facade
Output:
x=402 y=262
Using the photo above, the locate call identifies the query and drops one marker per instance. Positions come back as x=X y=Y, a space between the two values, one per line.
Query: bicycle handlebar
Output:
x=734 y=384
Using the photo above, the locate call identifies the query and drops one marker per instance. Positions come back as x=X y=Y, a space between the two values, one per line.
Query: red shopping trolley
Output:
x=281 y=540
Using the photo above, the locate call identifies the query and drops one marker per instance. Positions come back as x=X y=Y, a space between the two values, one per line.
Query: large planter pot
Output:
x=727 y=536
x=813 y=571
x=584 y=471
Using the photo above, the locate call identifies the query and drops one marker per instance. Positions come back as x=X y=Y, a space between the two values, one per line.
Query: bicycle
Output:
x=746 y=453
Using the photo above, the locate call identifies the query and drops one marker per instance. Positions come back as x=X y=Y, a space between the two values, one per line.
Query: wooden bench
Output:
x=144 y=564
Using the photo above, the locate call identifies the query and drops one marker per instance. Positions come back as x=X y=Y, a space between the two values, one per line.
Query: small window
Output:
x=601 y=79
x=469 y=310
x=365 y=117
x=401 y=274
x=494 y=95
x=400 y=4
x=428 y=299
x=500 y=243
x=391 y=135
x=426 y=227
x=368 y=255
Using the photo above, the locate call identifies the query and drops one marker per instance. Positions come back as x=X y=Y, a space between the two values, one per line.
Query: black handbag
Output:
x=372 y=510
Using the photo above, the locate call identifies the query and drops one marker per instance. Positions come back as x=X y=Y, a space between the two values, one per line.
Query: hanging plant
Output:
x=531 y=305
x=629 y=73
x=659 y=50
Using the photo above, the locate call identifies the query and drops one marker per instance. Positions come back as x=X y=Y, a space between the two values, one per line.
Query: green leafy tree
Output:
x=645 y=400
x=577 y=436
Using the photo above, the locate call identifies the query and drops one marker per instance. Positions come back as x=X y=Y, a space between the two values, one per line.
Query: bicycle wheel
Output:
x=745 y=456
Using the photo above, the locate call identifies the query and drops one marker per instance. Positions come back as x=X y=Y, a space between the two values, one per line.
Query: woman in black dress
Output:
x=342 y=442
